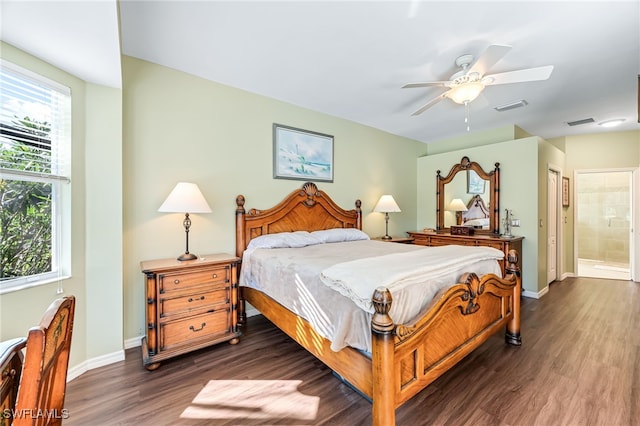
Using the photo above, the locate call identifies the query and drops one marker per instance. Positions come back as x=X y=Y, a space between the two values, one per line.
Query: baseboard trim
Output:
x=96 y=362
x=134 y=342
x=534 y=295
x=567 y=275
x=252 y=312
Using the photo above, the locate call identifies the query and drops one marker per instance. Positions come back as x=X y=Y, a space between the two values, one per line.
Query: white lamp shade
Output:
x=387 y=204
x=457 y=205
x=185 y=198
x=466 y=92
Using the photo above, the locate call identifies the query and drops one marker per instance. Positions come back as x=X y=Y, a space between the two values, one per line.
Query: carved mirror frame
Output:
x=492 y=177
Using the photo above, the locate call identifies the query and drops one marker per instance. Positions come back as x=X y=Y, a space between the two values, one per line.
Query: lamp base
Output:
x=187 y=256
x=386 y=237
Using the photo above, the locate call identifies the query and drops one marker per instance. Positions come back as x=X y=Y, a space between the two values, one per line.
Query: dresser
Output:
x=189 y=305
x=487 y=240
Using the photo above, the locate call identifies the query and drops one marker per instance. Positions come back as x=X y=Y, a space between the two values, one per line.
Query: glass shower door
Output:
x=603 y=224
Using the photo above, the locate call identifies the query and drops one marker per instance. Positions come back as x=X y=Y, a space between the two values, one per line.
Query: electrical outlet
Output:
x=515 y=222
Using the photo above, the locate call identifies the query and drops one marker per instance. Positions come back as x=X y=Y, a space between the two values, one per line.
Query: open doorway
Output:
x=603 y=223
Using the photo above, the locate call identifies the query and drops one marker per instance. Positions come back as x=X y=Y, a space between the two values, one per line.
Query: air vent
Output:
x=512 y=105
x=580 y=122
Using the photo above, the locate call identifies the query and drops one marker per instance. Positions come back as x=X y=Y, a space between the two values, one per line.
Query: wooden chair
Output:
x=43 y=382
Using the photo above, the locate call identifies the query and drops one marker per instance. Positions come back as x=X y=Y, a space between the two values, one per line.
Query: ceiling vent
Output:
x=512 y=105
x=580 y=122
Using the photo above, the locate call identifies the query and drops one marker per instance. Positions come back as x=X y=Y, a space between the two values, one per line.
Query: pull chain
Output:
x=466 y=115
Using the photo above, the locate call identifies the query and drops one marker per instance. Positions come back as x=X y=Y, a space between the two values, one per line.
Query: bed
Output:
x=402 y=358
x=477 y=214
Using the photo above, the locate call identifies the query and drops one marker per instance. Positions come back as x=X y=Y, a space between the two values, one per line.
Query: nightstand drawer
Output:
x=187 y=280
x=192 y=329
x=194 y=303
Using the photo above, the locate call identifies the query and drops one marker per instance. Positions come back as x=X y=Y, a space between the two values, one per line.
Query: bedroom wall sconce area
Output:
x=386 y=204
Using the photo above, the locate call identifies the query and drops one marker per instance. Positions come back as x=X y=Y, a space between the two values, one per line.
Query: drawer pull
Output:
x=176 y=281
x=192 y=328
x=191 y=299
x=215 y=275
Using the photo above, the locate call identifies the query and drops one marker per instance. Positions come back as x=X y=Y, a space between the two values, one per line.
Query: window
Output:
x=35 y=142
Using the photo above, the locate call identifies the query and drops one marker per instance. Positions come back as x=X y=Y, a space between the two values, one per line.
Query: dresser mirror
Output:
x=469 y=196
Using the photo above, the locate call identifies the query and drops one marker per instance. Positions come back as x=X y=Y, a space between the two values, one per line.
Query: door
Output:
x=603 y=223
x=552 y=232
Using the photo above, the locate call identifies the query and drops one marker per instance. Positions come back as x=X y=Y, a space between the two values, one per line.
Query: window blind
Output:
x=34 y=120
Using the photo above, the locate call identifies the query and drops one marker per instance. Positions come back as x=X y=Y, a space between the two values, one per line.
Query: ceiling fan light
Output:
x=466 y=92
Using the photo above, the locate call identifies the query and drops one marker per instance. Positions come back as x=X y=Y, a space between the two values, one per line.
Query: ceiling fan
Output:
x=467 y=84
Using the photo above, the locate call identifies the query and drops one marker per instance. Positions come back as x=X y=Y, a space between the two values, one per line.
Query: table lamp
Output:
x=386 y=205
x=185 y=198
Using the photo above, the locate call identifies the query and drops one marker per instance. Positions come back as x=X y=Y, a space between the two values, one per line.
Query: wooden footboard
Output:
x=408 y=357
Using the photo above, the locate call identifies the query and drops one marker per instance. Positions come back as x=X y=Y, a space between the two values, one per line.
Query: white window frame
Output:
x=60 y=179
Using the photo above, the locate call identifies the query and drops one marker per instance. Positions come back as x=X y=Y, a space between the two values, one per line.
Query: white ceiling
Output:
x=350 y=59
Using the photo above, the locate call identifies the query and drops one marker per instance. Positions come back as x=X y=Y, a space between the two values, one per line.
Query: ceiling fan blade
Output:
x=519 y=76
x=431 y=103
x=489 y=57
x=425 y=84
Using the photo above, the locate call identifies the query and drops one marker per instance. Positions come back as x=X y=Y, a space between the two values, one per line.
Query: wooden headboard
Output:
x=305 y=209
x=476 y=209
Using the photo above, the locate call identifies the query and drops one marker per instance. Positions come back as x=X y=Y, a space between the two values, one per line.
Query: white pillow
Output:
x=284 y=240
x=337 y=235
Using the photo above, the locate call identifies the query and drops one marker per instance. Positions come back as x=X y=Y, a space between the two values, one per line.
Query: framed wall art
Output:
x=302 y=154
x=565 y=191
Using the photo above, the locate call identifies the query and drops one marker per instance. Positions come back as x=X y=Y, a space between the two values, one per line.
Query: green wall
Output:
x=96 y=226
x=614 y=150
x=518 y=190
x=178 y=127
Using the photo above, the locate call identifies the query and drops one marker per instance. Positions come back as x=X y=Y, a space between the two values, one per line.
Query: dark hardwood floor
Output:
x=579 y=364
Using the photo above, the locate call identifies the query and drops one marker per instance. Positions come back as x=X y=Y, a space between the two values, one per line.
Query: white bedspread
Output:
x=358 y=279
x=291 y=276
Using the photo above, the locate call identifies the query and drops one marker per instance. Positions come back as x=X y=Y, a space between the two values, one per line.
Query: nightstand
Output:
x=403 y=240
x=189 y=305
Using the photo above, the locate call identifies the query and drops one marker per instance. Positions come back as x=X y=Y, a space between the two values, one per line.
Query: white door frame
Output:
x=634 y=235
x=553 y=168
x=635 y=225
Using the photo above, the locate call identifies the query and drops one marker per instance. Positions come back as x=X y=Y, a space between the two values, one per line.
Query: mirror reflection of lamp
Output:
x=457 y=206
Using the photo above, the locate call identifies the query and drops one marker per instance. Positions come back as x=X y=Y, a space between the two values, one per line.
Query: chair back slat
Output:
x=44 y=374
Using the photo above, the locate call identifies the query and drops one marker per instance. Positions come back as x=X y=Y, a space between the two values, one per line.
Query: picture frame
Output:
x=475 y=184
x=302 y=154
x=565 y=191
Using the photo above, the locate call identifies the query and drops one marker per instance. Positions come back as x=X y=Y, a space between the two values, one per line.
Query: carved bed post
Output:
x=240 y=246
x=240 y=225
x=382 y=358
x=512 y=335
